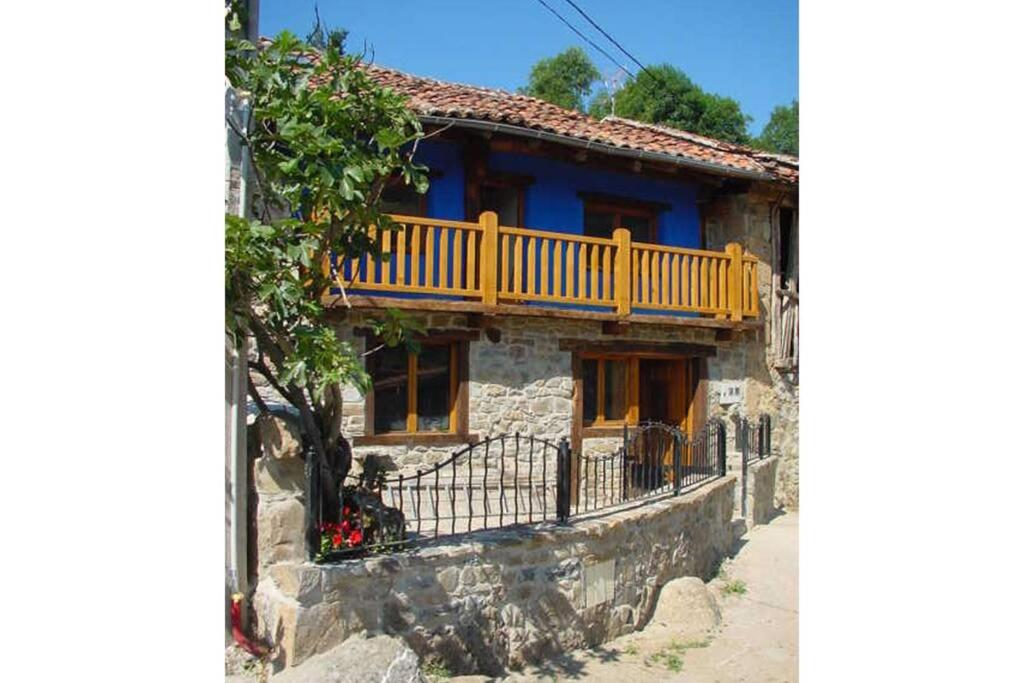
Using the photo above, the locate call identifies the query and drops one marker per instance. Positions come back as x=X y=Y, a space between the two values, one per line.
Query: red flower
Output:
x=346 y=510
x=336 y=540
x=345 y=527
x=356 y=537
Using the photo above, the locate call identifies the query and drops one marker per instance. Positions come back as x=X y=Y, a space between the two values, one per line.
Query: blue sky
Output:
x=745 y=49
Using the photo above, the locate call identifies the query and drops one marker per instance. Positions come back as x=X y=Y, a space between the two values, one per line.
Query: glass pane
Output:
x=390 y=390
x=639 y=228
x=615 y=390
x=589 y=391
x=503 y=201
x=401 y=199
x=598 y=223
x=433 y=380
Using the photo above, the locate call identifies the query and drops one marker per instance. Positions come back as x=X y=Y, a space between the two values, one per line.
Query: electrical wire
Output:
x=581 y=35
x=608 y=36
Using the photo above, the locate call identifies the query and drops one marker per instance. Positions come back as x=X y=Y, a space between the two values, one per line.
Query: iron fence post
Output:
x=563 y=467
x=720 y=443
x=677 y=462
x=625 y=466
x=744 y=455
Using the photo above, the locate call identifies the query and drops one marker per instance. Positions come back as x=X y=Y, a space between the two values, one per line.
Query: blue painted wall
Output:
x=551 y=201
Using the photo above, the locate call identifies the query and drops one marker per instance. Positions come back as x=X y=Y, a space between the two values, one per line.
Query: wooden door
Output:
x=664 y=396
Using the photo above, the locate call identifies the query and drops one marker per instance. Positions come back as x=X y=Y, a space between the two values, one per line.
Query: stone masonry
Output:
x=502 y=599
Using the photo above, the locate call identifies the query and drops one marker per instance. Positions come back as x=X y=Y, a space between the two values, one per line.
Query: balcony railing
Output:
x=495 y=264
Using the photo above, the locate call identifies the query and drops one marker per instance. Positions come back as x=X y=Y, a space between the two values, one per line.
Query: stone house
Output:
x=575 y=276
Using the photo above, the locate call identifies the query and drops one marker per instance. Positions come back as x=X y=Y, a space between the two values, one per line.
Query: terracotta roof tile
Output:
x=429 y=97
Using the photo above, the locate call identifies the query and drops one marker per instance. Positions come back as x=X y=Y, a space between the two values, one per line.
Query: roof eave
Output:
x=684 y=162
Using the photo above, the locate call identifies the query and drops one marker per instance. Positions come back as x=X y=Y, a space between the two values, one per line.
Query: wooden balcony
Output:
x=454 y=265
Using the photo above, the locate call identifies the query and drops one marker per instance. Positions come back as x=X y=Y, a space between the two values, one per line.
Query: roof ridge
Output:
x=479 y=88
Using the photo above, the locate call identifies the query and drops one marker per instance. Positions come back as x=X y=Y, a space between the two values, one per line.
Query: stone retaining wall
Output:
x=761 y=476
x=506 y=598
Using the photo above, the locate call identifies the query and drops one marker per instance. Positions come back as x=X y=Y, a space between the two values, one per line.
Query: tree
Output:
x=564 y=79
x=782 y=132
x=323 y=139
x=322 y=38
x=665 y=95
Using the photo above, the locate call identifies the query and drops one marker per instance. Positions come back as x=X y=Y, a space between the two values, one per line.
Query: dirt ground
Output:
x=756 y=643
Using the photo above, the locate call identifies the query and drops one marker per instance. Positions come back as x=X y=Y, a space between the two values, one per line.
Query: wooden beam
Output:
x=381 y=302
x=637 y=347
x=614 y=327
x=433 y=334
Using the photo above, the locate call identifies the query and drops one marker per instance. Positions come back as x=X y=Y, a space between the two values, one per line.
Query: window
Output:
x=601 y=217
x=403 y=200
x=606 y=390
x=504 y=200
x=415 y=393
x=620 y=388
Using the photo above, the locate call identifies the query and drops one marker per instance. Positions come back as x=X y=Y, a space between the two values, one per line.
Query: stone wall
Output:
x=761 y=480
x=746 y=219
x=522 y=382
x=506 y=598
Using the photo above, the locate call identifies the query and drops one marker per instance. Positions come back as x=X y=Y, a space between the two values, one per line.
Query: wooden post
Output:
x=489 y=258
x=735 y=252
x=623 y=276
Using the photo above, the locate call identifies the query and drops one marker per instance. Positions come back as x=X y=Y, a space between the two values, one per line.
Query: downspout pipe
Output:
x=235 y=396
x=592 y=145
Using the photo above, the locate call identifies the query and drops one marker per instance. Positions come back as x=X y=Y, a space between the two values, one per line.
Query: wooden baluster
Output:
x=371 y=263
x=606 y=267
x=634 y=275
x=705 y=288
x=543 y=287
x=570 y=269
x=695 y=283
x=684 y=281
x=428 y=276
x=753 y=308
x=735 y=301
x=557 y=256
x=506 y=263
x=457 y=261
x=471 y=281
x=385 y=257
x=400 y=253
x=517 y=271
x=442 y=270
x=415 y=255
x=673 y=280
x=531 y=262
x=666 y=289
x=712 y=283
x=581 y=272
x=655 y=277
x=723 y=283
x=645 y=276
x=595 y=273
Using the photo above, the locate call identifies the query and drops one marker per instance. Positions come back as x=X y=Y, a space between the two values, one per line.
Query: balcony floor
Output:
x=362 y=301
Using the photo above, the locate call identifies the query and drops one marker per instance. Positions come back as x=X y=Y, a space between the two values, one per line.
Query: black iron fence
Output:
x=654 y=459
x=500 y=481
x=512 y=480
x=754 y=439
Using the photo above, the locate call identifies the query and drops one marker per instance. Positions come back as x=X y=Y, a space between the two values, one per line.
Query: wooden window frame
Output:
x=623 y=207
x=511 y=181
x=421 y=209
x=695 y=368
x=632 y=411
x=458 y=415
